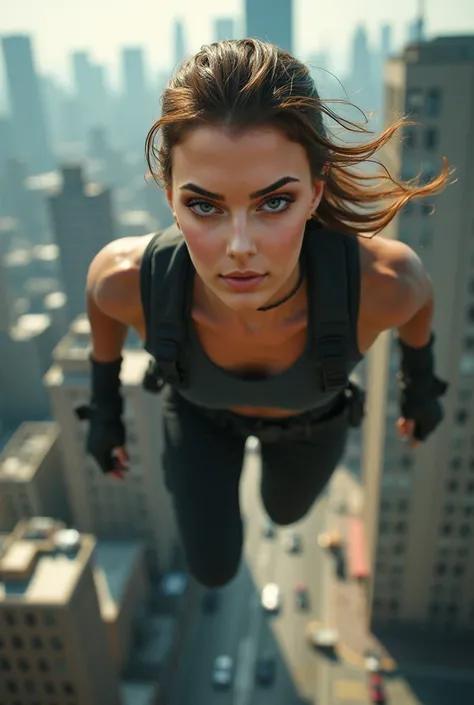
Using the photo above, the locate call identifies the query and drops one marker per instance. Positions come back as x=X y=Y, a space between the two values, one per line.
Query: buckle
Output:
x=332 y=353
x=167 y=366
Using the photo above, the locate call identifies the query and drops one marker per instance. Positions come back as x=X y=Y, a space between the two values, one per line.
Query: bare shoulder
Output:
x=394 y=283
x=113 y=279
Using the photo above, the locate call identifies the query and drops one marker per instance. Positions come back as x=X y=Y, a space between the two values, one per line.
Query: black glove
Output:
x=104 y=413
x=420 y=389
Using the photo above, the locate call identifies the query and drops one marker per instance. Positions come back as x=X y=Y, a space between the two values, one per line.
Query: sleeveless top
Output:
x=332 y=269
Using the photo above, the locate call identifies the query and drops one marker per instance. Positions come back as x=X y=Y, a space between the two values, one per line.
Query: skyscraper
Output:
x=83 y=224
x=270 y=21
x=28 y=117
x=420 y=503
x=179 y=43
x=224 y=28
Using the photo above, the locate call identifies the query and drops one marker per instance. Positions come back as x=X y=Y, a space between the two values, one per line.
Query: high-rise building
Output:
x=68 y=608
x=139 y=507
x=83 y=223
x=420 y=503
x=179 y=43
x=270 y=21
x=31 y=477
x=28 y=117
x=25 y=350
x=224 y=28
x=91 y=91
x=135 y=123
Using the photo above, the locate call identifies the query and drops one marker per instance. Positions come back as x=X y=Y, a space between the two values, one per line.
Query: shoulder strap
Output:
x=328 y=299
x=164 y=277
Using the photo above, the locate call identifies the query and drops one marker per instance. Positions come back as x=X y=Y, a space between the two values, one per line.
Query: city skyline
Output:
x=76 y=28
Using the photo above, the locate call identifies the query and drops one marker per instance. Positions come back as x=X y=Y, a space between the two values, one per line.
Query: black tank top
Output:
x=298 y=388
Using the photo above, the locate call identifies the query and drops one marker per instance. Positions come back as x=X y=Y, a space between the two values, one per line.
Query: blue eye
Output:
x=206 y=208
x=278 y=204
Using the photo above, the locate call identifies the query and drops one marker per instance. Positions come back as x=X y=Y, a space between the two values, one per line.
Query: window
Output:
x=433 y=103
x=431 y=138
x=426 y=208
x=403 y=505
x=400 y=527
x=414 y=101
x=452 y=486
x=455 y=463
x=470 y=314
x=465 y=530
x=446 y=529
x=461 y=417
x=30 y=619
x=409 y=138
x=458 y=570
x=440 y=568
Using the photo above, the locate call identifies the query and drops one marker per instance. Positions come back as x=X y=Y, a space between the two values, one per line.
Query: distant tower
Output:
x=179 y=45
x=420 y=22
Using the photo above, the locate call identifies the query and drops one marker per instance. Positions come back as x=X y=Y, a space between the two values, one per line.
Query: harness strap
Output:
x=164 y=278
x=329 y=306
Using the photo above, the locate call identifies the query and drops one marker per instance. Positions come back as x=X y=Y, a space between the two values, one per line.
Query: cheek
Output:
x=284 y=242
x=204 y=249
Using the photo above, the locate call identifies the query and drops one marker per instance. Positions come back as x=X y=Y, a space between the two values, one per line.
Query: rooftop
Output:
x=30 y=325
x=41 y=562
x=26 y=450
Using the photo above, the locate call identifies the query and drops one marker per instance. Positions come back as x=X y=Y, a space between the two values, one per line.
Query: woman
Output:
x=283 y=295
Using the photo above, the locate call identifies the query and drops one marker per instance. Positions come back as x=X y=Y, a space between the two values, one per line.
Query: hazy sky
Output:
x=103 y=26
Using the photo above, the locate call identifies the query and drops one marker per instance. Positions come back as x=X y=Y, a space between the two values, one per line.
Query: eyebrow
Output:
x=256 y=194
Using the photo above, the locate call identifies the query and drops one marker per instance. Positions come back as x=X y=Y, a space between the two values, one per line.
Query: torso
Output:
x=231 y=347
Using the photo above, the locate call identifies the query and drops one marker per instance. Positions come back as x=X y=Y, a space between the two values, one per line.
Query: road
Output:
x=242 y=630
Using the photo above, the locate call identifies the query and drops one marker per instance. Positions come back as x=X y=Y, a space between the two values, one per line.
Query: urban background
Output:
x=96 y=607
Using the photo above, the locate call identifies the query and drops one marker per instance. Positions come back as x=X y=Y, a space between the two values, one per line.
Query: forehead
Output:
x=213 y=157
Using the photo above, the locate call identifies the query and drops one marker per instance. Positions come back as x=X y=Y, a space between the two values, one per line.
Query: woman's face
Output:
x=242 y=202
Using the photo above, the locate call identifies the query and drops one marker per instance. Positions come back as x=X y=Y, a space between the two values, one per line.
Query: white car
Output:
x=271 y=597
x=223 y=672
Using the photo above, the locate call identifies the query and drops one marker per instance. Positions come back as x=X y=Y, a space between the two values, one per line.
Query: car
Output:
x=331 y=540
x=223 y=672
x=210 y=601
x=321 y=636
x=302 y=597
x=292 y=542
x=265 y=670
x=271 y=597
x=372 y=662
x=377 y=695
x=268 y=529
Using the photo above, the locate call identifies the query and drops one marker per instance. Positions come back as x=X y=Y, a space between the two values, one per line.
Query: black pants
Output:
x=203 y=457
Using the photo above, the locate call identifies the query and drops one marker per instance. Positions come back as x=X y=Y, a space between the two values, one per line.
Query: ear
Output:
x=318 y=188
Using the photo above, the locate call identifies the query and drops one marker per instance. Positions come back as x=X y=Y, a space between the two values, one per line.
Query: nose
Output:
x=241 y=244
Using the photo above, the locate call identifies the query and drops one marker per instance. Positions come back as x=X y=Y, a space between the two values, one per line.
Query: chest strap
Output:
x=329 y=306
x=165 y=277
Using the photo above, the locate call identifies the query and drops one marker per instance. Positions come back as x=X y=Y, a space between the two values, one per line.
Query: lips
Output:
x=243 y=281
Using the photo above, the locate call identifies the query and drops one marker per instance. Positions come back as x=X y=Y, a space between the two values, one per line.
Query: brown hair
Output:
x=247 y=83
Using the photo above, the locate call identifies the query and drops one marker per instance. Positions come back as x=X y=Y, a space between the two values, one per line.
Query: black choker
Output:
x=288 y=296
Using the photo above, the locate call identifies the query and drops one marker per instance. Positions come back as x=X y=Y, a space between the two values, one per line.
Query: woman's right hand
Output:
x=105 y=440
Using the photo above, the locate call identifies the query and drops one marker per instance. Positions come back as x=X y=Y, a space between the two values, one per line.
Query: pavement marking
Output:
x=247 y=653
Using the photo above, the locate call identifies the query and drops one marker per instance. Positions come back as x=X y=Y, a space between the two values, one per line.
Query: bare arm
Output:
x=112 y=299
x=398 y=293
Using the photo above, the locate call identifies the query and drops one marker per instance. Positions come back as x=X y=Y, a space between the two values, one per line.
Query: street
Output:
x=241 y=629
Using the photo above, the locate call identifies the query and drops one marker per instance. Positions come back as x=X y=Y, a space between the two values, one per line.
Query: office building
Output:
x=420 y=503
x=224 y=28
x=83 y=224
x=68 y=607
x=31 y=134
x=31 y=477
x=270 y=21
